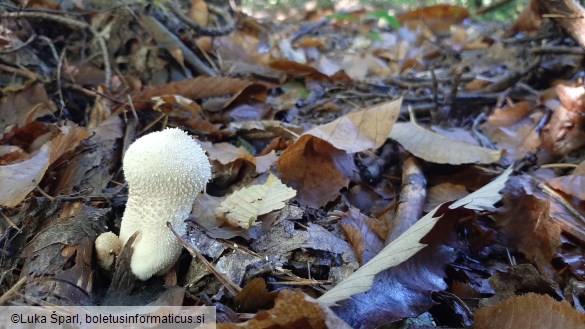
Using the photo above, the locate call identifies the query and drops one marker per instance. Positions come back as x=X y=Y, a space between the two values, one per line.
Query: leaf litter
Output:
x=345 y=211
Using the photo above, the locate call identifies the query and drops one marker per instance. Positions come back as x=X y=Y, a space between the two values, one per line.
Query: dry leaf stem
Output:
x=6 y=297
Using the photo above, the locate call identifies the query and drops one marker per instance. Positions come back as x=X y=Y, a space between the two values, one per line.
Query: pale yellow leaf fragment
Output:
x=244 y=206
x=361 y=130
x=435 y=148
x=408 y=244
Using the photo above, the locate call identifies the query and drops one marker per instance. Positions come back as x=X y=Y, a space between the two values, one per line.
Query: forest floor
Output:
x=419 y=170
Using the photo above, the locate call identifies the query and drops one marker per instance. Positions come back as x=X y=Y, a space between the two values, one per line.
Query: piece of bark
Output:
x=58 y=260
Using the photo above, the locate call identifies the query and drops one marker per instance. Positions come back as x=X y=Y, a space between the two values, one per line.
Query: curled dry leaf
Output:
x=227 y=153
x=573 y=184
x=435 y=148
x=243 y=207
x=361 y=235
x=24 y=106
x=19 y=179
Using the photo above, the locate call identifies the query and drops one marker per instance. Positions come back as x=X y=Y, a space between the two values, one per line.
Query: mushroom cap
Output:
x=107 y=247
x=165 y=172
x=168 y=161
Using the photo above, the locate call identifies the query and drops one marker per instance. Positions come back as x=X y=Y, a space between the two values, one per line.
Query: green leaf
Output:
x=375 y=36
x=340 y=17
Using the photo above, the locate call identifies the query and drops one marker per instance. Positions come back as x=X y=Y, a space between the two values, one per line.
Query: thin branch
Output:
x=233 y=288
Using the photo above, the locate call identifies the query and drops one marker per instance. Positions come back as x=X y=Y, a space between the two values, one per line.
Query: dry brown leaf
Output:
x=315 y=163
x=264 y=162
x=361 y=66
x=67 y=140
x=507 y=116
x=362 y=237
x=24 y=106
x=226 y=153
x=529 y=20
x=298 y=70
x=177 y=106
x=314 y=168
x=240 y=46
x=196 y=88
x=573 y=184
x=361 y=130
x=442 y=193
x=519 y=139
x=437 y=18
x=530 y=311
x=101 y=111
x=292 y=310
x=254 y=297
x=438 y=149
x=564 y=133
x=526 y=223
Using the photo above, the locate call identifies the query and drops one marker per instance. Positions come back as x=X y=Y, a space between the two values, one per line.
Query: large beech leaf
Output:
x=361 y=130
x=408 y=244
x=435 y=148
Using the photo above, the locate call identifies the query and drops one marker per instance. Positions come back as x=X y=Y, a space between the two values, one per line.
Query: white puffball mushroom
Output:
x=107 y=247
x=165 y=171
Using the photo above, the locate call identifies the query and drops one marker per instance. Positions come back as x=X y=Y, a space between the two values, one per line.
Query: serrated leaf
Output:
x=408 y=244
x=244 y=206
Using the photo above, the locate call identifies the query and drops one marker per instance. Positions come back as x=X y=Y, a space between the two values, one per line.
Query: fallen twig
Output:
x=233 y=288
x=75 y=24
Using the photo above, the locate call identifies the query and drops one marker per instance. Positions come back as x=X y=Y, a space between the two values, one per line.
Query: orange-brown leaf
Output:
x=311 y=166
x=292 y=309
x=530 y=311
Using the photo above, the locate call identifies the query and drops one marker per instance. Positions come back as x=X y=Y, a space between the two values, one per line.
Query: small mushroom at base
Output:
x=107 y=247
